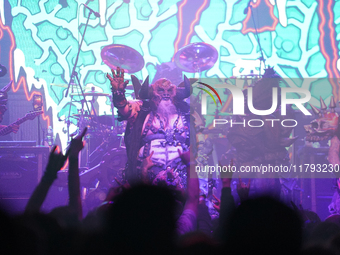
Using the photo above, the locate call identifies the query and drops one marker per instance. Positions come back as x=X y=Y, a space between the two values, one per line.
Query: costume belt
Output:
x=150 y=138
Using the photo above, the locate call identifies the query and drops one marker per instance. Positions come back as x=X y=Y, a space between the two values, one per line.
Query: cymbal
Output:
x=196 y=57
x=125 y=57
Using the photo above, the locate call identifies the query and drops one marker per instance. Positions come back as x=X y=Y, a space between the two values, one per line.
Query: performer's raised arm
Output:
x=118 y=86
x=128 y=110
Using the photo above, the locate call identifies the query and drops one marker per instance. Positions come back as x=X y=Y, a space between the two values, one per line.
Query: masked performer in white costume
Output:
x=158 y=126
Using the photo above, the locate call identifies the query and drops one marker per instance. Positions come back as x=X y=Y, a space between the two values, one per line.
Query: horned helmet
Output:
x=162 y=89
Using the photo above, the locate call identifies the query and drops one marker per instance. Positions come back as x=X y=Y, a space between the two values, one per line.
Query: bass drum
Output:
x=113 y=166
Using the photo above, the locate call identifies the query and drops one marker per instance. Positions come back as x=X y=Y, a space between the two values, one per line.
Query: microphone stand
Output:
x=258 y=40
x=39 y=141
x=74 y=74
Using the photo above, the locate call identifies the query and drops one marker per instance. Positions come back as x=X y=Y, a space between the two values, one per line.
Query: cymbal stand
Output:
x=113 y=112
x=198 y=71
x=75 y=74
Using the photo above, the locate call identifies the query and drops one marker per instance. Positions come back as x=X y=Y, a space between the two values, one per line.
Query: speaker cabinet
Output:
x=21 y=169
x=316 y=192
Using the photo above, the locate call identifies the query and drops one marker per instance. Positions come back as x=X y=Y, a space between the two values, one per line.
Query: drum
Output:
x=113 y=166
x=98 y=180
x=103 y=175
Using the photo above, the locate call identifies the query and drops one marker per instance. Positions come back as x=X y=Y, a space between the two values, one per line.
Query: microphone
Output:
x=95 y=13
x=247 y=8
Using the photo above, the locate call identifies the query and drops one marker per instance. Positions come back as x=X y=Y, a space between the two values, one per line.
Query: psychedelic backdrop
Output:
x=40 y=39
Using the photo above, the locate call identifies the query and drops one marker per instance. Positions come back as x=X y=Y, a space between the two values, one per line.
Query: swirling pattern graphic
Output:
x=299 y=38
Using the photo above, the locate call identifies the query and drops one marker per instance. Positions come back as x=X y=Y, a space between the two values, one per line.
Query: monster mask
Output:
x=325 y=126
x=163 y=89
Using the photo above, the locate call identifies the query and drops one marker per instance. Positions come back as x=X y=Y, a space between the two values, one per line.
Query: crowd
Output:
x=157 y=219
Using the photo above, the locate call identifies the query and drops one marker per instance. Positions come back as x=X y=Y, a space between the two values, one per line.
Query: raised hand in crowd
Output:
x=55 y=163
x=75 y=147
x=226 y=176
x=243 y=189
x=225 y=205
x=77 y=144
x=190 y=211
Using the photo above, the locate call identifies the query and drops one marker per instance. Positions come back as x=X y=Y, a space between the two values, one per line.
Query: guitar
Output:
x=28 y=116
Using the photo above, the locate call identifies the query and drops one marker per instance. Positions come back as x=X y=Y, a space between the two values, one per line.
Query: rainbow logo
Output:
x=208 y=86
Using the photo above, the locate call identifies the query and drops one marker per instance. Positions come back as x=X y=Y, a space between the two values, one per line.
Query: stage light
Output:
x=37 y=102
x=3 y=70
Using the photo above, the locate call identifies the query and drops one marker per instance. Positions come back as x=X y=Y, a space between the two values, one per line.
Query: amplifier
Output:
x=21 y=169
